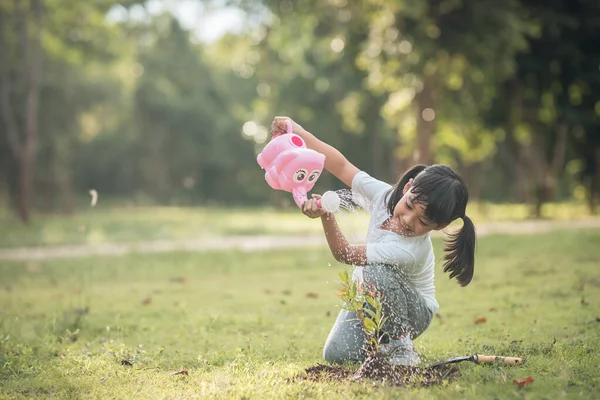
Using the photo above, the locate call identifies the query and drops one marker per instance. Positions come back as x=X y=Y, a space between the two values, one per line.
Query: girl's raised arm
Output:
x=335 y=162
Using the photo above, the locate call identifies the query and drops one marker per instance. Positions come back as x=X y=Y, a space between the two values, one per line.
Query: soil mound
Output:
x=377 y=368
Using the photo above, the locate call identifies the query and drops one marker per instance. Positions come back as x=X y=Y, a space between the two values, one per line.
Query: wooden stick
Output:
x=481 y=358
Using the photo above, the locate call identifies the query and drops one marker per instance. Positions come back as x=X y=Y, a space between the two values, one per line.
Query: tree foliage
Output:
x=138 y=108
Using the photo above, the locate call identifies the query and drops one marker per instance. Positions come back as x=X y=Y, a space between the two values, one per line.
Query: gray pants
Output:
x=404 y=306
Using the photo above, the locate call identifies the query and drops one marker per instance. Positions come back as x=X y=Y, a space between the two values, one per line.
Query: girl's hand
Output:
x=278 y=126
x=311 y=209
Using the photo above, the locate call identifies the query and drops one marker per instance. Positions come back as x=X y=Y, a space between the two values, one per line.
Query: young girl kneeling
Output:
x=398 y=258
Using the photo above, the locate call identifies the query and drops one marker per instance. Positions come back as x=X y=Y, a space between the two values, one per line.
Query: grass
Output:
x=243 y=324
x=104 y=224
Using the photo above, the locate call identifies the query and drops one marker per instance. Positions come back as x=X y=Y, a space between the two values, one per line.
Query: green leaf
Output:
x=344 y=277
x=371 y=314
x=370 y=326
x=371 y=301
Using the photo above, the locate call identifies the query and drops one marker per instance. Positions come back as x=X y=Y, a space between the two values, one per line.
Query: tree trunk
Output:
x=397 y=163
x=31 y=112
x=594 y=190
x=376 y=147
x=547 y=172
x=68 y=197
x=425 y=123
x=26 y=164
x=24 y=149
x=472 y=177
x=521 y=165
x=47 y=190
x=515 y=105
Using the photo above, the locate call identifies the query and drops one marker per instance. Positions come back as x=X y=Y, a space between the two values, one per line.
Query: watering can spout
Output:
x=300 y=195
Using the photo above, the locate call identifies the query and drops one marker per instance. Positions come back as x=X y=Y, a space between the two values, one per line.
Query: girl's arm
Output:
x=342 y=251
x=335 y=162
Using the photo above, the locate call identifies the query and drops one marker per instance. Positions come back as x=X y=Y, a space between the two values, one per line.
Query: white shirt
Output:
x=411 y=255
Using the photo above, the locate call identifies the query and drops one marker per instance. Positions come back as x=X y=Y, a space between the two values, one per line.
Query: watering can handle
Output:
x=288 y=125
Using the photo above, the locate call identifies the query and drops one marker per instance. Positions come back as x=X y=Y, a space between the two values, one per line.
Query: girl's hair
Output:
x=444 y=195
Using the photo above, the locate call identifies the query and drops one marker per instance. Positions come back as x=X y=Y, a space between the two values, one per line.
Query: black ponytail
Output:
x=445 y=196
x=396 y=194
x=460 y=256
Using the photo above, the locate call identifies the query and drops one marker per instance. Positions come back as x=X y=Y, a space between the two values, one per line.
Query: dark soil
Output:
x=377 y=368
x=321 y=372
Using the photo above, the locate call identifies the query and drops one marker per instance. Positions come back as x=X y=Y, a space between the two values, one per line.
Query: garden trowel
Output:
x=482 y=359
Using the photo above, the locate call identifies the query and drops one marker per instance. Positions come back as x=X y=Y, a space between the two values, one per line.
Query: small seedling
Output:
x=367 y=304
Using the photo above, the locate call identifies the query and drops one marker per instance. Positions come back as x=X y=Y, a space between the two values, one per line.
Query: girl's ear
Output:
x=407 y=186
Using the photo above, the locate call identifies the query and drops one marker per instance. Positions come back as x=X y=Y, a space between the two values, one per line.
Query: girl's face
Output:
x=409 y=216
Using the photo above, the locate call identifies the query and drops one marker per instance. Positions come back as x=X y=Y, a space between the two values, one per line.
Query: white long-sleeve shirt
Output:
x=411 y=255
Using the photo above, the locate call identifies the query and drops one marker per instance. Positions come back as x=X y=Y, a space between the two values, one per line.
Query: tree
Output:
x=25 y=68
x=547 y=107
x=439 y=61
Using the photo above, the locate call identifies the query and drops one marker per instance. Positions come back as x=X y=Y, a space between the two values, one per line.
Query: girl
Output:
x=398 y=258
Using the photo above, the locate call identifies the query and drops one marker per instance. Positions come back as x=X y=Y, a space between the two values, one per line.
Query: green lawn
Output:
x=108 y=223
x=243 y=324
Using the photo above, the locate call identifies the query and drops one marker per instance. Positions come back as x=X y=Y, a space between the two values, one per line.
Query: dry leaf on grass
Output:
x=523 y=381
x=480 y=320
x=312 y=295
x=61 y=356
x=147 y=301
x=182 y=372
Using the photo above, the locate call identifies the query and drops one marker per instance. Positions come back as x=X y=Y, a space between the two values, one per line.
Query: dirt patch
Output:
x=321 y=372
x=378 y=369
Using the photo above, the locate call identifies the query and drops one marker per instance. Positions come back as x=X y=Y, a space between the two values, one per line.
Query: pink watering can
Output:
x=289 y=165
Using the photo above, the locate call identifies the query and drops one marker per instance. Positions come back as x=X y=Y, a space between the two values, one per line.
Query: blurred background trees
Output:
x=125 y=98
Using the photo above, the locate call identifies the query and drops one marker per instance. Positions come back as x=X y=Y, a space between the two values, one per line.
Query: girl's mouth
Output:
x=404 y=227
